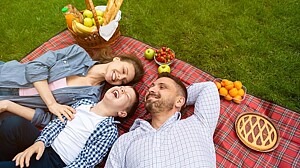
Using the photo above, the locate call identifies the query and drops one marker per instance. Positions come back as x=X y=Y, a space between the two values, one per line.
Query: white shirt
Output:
x=177 y=143
x=71 y=140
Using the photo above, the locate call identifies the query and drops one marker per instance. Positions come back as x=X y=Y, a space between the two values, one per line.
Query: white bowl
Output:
x=164 y=63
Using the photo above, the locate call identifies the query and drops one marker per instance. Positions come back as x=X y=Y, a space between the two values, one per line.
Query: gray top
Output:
x=52 y=65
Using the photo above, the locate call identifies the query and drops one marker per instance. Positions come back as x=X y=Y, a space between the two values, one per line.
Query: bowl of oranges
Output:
x=231 y=90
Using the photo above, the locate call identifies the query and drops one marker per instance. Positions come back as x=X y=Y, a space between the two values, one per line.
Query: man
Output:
x=167 y=141
x=81 y=142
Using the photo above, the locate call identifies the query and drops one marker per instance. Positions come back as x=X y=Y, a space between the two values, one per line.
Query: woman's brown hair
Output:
x=105 y=56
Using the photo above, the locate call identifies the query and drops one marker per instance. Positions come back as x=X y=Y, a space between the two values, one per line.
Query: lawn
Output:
x=256 y=42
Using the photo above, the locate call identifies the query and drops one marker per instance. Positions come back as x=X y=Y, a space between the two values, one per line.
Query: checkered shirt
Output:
x=97 y=145
x=178 y=143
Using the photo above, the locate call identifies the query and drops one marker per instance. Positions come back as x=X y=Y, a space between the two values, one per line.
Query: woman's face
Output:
x=119 y=72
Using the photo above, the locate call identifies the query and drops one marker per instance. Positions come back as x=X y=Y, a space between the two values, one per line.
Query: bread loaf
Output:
x=112 y=8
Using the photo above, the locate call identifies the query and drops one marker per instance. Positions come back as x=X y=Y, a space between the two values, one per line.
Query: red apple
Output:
x=164 y=68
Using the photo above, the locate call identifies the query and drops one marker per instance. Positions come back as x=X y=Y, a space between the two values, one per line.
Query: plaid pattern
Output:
x=97 y=145
x=230 y=152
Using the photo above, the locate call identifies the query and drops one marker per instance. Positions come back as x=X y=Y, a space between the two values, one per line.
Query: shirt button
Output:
x=65 y=62
x=83 y=73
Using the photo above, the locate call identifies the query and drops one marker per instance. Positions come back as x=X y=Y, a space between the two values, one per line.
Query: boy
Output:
x=82 y=142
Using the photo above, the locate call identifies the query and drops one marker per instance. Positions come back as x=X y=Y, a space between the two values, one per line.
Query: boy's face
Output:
x=119 y=98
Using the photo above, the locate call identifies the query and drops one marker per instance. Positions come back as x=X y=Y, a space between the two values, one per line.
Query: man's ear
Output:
x=179 y=102
x=122 y=114
x=116 y=59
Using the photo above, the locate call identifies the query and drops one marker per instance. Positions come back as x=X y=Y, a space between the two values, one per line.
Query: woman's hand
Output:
x=25 y=156
x=60 y=110
x=4 y=105
x=43 y=88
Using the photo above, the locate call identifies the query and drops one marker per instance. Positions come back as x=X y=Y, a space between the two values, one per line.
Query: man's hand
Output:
x=25 y=156
x=4 y=105
x=60 y=110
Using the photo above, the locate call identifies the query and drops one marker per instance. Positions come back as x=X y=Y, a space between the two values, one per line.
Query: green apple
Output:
x=88 y=14
x=99 y=13
x=100 y=20
x=88 y=22
x=164 y=68
x=149 y=54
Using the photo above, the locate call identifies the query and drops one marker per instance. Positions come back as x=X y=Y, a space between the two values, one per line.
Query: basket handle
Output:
x=90 y=6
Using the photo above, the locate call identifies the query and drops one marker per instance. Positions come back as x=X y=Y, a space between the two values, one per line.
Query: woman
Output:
x=63 y=77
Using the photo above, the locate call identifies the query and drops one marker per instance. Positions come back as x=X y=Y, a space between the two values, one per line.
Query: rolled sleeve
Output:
x=41 y=118
x=39 y=69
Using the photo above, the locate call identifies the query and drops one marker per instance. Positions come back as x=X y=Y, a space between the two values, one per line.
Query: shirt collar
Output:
x=145 y=125
x=112 y=120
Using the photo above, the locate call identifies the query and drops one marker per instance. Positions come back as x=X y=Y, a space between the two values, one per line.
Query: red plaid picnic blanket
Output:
x=230 y=151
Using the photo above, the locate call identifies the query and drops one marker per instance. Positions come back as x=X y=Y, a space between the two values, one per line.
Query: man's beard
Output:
x=157 y=106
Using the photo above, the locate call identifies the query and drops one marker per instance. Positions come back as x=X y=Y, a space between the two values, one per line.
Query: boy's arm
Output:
x=51 y=131
x=206 y=100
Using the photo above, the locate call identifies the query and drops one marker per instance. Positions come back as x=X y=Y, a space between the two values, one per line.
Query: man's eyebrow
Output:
x=162 y=84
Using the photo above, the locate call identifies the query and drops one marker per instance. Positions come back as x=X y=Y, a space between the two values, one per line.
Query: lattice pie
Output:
x=257 y=131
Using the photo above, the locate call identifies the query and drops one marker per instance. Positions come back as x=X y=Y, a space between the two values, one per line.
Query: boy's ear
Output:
x=122 y=114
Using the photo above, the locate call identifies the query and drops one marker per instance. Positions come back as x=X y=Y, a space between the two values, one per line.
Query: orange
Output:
x=223 y=82
x=238 y=84
x=241 y=92
x=233 y=92
x=223 y=91
x=228 y=97
x=218 y=84
x=229 y=85
x=237 y=99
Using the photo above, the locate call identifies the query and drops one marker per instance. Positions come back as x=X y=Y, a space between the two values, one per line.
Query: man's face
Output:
x=120 y=97
x=161 y=95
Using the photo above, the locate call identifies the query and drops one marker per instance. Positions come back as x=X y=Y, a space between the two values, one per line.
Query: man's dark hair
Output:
x=181 y=87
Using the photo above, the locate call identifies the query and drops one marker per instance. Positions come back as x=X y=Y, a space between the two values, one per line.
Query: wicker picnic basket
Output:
x=94 y=40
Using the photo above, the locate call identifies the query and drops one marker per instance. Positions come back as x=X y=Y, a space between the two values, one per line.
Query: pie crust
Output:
x=257 y=131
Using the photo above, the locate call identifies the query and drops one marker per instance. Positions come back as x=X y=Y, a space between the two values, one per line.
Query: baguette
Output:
x=112 y=8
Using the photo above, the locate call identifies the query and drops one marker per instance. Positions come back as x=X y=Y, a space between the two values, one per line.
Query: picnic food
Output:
x=149 y=53
x=71 y=13
x=111 y=10
x=87 y=14
x=81 y=29
x=234 y=91
x=88 y=22
x=257 y=131
x=164 y=55
x=164 y=68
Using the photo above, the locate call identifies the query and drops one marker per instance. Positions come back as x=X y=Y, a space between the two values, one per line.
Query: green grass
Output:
x=256 y=42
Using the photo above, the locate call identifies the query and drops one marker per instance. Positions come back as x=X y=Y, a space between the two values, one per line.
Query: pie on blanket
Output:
x=257 y=131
